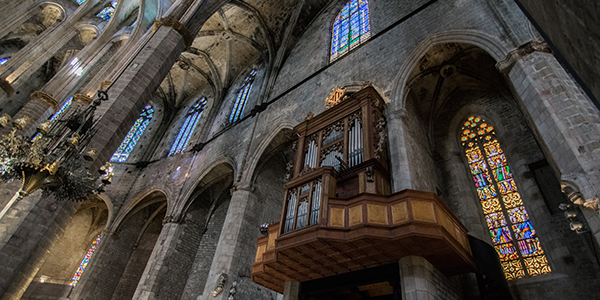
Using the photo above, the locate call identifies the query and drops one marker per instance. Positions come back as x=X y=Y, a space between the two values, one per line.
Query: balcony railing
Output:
x=362 y=232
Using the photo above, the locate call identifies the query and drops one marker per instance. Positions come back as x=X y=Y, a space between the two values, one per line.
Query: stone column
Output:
x=23 y=10
x=30 y=227
x=291 y=290
x=398 y=154
x=567 y=123
x=416 y=279
x=157 y=266
x=238 y=238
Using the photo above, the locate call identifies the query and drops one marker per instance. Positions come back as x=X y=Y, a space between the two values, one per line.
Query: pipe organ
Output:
x=339 y=214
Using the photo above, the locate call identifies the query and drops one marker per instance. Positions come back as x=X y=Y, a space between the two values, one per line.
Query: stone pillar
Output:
x=30 y=227
x=234 y=253
x=567 y=123
x=416 y=279
x=157 y=266
x=398 y=153
x=291 y=290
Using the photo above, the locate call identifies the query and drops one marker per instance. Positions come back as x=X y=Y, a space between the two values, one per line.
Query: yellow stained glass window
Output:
x=512 y=232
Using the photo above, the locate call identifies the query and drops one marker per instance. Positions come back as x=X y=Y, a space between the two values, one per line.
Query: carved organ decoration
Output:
x=335 y=97
x=333 y=144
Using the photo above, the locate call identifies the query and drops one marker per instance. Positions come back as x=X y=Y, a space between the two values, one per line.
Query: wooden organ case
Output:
x=338 y=214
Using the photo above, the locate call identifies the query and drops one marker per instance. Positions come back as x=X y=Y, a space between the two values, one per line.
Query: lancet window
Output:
x=85 y=261
x=191 y=120
x=107 y=12
x=133 y=136
x=242 y=98
x=350 y=28
x=512 y=231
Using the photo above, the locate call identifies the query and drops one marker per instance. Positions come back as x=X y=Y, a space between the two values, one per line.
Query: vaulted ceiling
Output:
x=240 y=34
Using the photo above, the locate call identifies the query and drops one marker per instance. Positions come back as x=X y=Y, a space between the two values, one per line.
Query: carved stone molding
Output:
x=573 y=194
x=171 y=219
x=105 y=84
x=7 y=87
x=177 y=26
x=46 y=98
x=82 y=98
x=515 y=55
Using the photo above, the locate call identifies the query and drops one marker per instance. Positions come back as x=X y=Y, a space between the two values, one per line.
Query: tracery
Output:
x=350 y=28
x=512 y=231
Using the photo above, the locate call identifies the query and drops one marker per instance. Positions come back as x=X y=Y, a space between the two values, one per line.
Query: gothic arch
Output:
x=130 y=207
x=186 y=197
x=249 y=172
x=494 y=47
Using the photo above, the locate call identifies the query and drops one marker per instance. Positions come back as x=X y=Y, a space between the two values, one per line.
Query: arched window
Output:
x=107 y=12
x=242 y=98
x=513 y=235
x=85 y=261
x=133 y=136
x=350 y=28
x=191 y=119
x=4 y=60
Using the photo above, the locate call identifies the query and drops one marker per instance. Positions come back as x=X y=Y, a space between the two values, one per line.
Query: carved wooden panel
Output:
x=376 y=214
x=423 y=211
x=355 y=215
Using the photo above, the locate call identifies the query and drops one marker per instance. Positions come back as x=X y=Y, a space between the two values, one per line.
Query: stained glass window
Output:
x=242 y=97
x=350 y=28
x=57 y=114
x=191 y=120
x=513 y=235
x=107 y=12
x=4 y=60
x=133 y=136
x=85 y=261
x=80 y=1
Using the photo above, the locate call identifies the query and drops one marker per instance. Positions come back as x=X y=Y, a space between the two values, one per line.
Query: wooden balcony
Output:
x=361 y=232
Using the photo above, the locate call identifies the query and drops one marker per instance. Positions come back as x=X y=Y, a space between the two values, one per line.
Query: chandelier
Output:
x=55 y=160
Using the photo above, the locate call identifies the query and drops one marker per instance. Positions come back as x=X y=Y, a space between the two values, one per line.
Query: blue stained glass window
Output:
x=134 y=135
x=350 y=28
x=185 y=133
x=4 y=60
x=107 y=12
x=242 y=98
x=80 y=1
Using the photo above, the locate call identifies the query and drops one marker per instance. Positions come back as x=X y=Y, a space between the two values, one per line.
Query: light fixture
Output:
x=56 y=161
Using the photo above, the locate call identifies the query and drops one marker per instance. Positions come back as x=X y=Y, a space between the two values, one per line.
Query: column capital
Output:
x=46 y=98
x=85 y=99
x=176 y=219
x=504 y=66
x=7 y=87
x=177 y=26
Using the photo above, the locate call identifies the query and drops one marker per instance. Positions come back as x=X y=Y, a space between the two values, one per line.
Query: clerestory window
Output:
x=107 y=12
x=350 y=28
x=242 y=98
x=133 y=136
x=185 y=133
x=512 y=231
